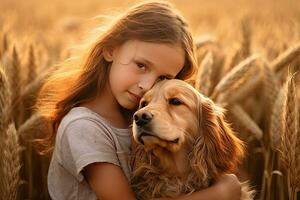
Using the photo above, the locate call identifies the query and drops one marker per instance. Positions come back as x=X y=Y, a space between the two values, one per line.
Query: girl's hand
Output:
x=229 y=187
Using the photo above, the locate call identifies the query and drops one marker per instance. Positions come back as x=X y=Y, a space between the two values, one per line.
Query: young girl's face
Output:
x=137 y=65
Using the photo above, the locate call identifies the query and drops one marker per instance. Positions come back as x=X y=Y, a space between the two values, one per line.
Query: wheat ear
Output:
x=203 y=82
x=11 y=165
x=276 y=125
x=289 y=137
x=204 y=40
x=286 y=57
x=4 y=45
x=245 y=120
x=31 y=66
x=5 y=103
x=246 y=38
x=234 y=76
x=14 y=80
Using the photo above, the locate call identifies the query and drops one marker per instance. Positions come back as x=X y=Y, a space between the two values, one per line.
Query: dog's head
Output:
x=174 y=117
x=166 y=117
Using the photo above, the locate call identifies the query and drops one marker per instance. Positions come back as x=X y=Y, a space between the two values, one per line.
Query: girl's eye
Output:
x=143 y=104
x=141 y=65
x=175 y=101
x=161 y=78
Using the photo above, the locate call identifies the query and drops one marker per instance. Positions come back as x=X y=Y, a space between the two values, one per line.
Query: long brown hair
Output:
x=156 y=22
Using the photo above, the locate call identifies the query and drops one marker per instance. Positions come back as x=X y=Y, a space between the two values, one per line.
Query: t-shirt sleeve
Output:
x=84 y=142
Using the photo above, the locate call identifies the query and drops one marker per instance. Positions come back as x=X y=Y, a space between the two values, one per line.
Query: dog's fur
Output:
x=181 y=142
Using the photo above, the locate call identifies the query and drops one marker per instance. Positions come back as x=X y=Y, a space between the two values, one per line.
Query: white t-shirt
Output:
x=84 y=137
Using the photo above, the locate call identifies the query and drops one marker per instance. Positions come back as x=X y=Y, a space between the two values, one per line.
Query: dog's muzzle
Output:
x=142 y=118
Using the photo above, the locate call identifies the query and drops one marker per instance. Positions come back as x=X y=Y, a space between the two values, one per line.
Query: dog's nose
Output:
x=142 y=118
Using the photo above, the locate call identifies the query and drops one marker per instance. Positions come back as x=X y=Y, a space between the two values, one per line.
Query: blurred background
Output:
x=260 y=93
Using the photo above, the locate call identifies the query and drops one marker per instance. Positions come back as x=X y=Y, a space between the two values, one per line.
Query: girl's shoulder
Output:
x=84 y=118
x=82 y=126
x=78 y=113
x=80 y=123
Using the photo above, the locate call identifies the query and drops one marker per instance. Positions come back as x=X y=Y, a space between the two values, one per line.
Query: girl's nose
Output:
x=146 y=84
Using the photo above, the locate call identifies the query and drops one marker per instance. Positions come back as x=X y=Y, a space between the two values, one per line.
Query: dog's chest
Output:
x=151 y=185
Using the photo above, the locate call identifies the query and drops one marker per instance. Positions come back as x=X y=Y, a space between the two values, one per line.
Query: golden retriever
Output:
x=181 y=142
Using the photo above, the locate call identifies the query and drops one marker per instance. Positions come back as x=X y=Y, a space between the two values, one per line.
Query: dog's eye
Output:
x=143 y=104
x=175 y=101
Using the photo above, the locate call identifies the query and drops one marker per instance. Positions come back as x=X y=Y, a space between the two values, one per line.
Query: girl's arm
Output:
x=227 y=188
x=109 y=183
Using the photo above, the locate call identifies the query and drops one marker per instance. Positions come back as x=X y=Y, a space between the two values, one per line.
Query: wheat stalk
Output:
x=29 y=94
x=234 y=76
x=11 y=165
x=31 y=66
x=203 y=76
x=5 y=102
x=233 y=59
x=286 y=57
x=5 y=43
x=289 y=135
x=34 y=127
x=297 y=148
x=241 y=92
x=4 y=46
x=246 y=38
x=204 y=40
x=31 y=90
x=242 y=89
x=271 y=84
x=245 y=120
x=276 y=126
x=297 y=133
x=14 y=81
x=271 y=90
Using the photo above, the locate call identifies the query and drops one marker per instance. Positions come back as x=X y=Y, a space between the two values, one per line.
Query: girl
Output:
x=90 y=107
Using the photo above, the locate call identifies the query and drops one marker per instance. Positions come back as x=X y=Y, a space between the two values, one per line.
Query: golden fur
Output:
x=181 y=142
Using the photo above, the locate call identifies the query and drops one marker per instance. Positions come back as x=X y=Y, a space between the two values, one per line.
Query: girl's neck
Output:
x=106 y=105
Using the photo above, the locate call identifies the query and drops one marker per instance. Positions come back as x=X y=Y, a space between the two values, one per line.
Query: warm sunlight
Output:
x=245 y=57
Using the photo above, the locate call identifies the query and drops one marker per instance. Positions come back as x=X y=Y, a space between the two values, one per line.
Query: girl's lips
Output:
x=135 y=97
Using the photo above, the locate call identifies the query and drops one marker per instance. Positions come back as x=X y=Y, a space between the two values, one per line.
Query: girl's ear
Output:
x=108 y=54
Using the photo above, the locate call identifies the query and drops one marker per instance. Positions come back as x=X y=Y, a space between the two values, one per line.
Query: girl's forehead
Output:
x=166 y=57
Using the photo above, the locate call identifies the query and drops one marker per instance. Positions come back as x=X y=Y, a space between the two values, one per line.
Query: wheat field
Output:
x=248 y=53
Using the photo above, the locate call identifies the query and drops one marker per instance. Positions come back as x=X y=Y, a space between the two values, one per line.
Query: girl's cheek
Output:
x=133 y=69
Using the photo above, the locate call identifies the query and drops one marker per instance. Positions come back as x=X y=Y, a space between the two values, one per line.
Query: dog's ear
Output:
x=217 y=150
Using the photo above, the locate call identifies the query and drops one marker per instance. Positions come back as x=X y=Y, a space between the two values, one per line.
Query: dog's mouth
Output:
x=147 y=135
